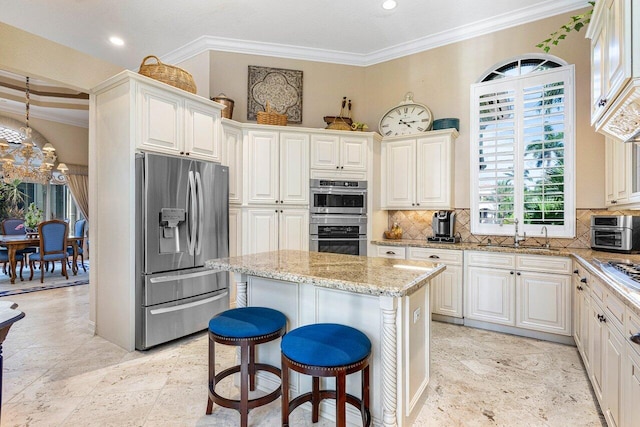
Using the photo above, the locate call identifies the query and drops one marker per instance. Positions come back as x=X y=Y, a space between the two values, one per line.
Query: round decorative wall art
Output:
x=280 y=87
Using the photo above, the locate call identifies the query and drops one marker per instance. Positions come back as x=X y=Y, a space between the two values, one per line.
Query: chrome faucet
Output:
x=546 y=236
x=516 y=237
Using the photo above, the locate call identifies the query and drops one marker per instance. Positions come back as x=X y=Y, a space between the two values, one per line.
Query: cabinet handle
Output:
x=579 y=288
x=602 y=318
x=583 y=280
x=187 y=153
x=575 y=271
x=434 y=256
x=390 y=253
x=635 y=338
x=613 y=202
x=182 y=152
x=602 y=103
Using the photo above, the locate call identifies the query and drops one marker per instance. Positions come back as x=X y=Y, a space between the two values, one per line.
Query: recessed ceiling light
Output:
x=116 y=41
x=389 y=4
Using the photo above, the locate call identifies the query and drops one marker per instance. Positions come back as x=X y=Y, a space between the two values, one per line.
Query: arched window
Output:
x=522 y=148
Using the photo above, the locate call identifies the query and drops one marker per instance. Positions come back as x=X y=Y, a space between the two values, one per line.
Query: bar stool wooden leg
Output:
x=252 y=368
x=341 y=399
x=315 y=400
x=244 y=383
x=365 y=395
x=212 y=374
x=285 y=392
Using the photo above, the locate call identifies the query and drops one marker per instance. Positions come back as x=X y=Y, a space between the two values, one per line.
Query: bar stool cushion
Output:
x=326 y=344
x=247 y=322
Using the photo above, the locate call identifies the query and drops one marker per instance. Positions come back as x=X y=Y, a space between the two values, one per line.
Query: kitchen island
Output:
x=386 y=299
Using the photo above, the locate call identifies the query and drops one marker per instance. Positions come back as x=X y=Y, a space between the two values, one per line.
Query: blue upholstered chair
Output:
x=4 y=258
x=53 y=246
x=244 y=327
x=15 y=227
x=326 y=350
x=78 y=230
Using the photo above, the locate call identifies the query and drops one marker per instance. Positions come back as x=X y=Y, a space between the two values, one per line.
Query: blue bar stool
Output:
x=326 y=350
x=244 y=327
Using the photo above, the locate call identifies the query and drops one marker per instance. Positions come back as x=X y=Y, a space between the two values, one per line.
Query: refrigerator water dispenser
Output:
x=170 y=218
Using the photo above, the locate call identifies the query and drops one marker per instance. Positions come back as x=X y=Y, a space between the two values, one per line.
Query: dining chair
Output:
x=53 y=246
x=14 y=227
x=4 y=258
x=78 y=231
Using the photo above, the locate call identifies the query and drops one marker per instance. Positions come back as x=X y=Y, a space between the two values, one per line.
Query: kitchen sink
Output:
x=530 y=248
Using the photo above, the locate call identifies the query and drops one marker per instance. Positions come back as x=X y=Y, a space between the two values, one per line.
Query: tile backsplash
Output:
x=417 y=225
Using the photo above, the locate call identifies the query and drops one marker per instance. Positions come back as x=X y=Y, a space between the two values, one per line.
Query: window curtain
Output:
x=78 y=183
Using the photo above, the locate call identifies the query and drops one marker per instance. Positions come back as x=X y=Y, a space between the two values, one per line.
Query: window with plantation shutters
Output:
x=522 y=153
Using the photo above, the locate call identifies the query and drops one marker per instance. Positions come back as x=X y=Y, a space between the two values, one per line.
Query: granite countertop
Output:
x=363 y=275
x=589 y=258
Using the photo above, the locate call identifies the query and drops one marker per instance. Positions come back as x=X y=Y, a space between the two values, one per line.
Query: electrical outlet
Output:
x=416 y=315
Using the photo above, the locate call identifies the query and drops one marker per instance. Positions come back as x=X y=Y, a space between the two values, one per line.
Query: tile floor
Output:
x=57 y=374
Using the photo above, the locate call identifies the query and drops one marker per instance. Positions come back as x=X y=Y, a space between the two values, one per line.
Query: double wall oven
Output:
x=338 y=222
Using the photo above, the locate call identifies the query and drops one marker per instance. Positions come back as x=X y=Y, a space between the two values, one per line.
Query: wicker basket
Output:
x=174 y=76
x=271 y=118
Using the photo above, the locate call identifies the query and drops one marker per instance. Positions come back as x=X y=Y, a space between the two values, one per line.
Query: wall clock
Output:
x=406 y=118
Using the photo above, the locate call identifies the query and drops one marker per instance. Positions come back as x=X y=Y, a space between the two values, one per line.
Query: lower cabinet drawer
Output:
x=445 y=256
x=489 y=259
x=544 y=264
x=395 y=252
x=614 y=310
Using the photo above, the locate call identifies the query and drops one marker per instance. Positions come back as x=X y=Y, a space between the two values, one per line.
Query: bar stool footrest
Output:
x=331 y=394
x=252 y=403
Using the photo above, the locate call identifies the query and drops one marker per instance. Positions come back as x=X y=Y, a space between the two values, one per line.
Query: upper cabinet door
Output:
x=398 y=175
x=353 y=153
x=232 y=139
x=325 y=152
x=160 y=119
x=263 y=167
x=202 y=137
x=294 y=168
x=434 y=172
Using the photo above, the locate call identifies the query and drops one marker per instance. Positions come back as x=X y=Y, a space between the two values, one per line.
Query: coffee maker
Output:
x=443 y=225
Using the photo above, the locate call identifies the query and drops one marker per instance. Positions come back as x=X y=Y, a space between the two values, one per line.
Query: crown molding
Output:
x=465 y=32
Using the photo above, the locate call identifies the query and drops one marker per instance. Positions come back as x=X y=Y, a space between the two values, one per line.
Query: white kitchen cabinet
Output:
x=581 y=311
x=543 y=302
x=272 y=229
x=613 y=359
x=612 y=60
x=631 y=384
x=528 y=292
x=596 y=344
x=417 y=172
x=490 y=295
x=339 y=156
x=170 y=124
x=446 y=288
x=621 y=185
x=232 y=157
x=278 y=168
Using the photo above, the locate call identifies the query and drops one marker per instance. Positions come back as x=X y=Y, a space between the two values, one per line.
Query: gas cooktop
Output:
x=624 y=272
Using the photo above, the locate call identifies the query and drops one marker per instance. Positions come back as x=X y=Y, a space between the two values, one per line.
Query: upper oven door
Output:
x=334 y=200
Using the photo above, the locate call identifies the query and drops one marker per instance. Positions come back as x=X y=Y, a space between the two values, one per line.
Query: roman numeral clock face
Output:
x=406 y=119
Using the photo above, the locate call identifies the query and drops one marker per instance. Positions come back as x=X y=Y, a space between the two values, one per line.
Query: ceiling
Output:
x=354 y=32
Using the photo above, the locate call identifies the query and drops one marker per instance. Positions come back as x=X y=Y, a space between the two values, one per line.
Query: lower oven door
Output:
x=346 y=246
x=616 y=239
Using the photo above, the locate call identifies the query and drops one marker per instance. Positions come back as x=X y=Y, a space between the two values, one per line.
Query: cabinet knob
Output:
x=583 y=280
x=635 y=338
x=341 y=167
x=187 y=153
x=434 y=256
x=281 y=201
x=281 y=211
x=518 y=273
x=182 y=152
x=337 y=167
x=511 y=272
x=277 y=201
x=575 y=271
x=390 y=253
x=613 y=202
x=417 y=204
x=579 y=288
x=413 y=204
x=602 y=103
x=602 y=318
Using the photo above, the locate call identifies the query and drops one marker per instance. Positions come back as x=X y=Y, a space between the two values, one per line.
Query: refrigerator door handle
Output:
x=162 y=279
x=188 y=305
x=191 y=208
x=199 y=191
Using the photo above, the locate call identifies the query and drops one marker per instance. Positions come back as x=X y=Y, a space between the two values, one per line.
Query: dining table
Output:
x=14 y=243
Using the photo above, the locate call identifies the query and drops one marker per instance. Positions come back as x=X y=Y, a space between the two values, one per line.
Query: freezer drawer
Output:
x=165 y=287
x=166 y=322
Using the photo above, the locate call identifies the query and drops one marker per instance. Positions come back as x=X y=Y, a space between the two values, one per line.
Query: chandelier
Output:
x=26 y=162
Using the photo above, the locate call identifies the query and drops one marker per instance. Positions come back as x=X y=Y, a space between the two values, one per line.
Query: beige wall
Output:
x=439 y=78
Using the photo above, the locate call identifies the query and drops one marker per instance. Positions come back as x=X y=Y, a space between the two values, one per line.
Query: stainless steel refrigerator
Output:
x=182 y=220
